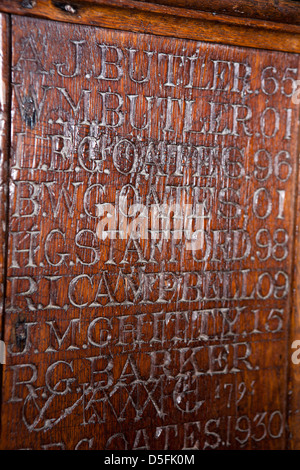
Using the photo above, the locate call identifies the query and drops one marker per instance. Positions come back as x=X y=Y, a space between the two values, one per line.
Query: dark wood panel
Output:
x=161 y=340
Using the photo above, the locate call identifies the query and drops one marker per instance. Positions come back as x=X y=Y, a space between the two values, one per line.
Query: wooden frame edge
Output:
x=163 y=21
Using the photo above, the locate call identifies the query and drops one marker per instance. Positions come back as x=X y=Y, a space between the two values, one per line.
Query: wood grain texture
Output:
x=294 y=369
x=158 y=342
x=294 y=376
x=281 y=11
x=4 y=144
x=165 y=21
x=270 y=10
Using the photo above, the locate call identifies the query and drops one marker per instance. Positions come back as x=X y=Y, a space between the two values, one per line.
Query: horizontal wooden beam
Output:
x=142 y=17
x=282 y=11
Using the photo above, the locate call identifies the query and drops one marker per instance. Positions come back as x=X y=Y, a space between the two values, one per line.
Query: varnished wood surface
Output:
x=270 y=10
x=119 y=344
x=281 y=11
x=164 y=20
x=4 y=144
x=294 y=369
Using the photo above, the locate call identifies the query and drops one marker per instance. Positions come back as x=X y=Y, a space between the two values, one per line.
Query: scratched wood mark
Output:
x=152 y=195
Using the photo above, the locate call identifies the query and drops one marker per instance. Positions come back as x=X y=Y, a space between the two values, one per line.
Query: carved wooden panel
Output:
x=152 y=197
